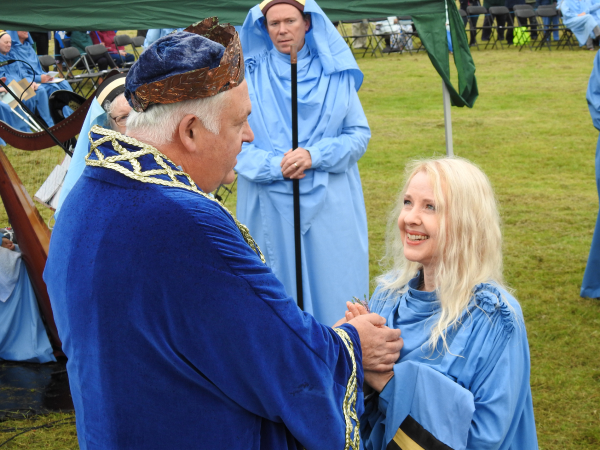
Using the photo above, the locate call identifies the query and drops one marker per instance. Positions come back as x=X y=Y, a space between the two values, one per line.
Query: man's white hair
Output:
x=157 y=125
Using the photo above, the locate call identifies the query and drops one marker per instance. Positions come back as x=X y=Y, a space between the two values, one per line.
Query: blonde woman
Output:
x=462 y=380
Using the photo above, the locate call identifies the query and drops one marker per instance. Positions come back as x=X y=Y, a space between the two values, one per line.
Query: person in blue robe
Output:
x=590 y=287
x=38 y=103
x=22 y=49
x=157 y=33
x=578 y=17
x=462 y=380
x=8 y=117
x=22 y=333
x=333 y=134
x=177 y=334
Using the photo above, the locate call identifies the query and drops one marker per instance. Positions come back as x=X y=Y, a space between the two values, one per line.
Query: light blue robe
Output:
x=20 y=70
x=38 y=103
x=156 y=33
x=590 y=287
x=476 y=396
x=8 y=117
x=22 y=333
x=95 y=116
x=334 y=129
x=581 y=26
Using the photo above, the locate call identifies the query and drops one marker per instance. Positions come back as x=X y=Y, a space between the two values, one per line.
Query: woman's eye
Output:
x=406 y=202
x=431 y=207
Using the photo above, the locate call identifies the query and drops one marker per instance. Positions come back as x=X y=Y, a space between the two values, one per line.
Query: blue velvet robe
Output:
x=590 y=287
x=178 y=335
x=334 y=129
x=581 y=26
x=476 y=396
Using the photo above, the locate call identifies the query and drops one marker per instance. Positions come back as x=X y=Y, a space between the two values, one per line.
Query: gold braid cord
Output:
x=150 y=176
x=349 y=406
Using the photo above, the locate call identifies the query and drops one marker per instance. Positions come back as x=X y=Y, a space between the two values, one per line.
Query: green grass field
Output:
x=531 y=132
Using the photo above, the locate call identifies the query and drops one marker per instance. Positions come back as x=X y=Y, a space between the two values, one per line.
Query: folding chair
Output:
x=138 y=43
x=547 y=11
x=384 y=36
x=46 y=61
x=473 y=13
x=97 y=50
x=526 y=18
x=73 y=59
x=502 y=20
x=121 y=40
x=409 y=43
x=566 y=36
x=370 y=39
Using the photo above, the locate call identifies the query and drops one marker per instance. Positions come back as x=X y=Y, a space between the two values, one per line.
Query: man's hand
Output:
x=122 y=53
x=7 y=243
x=295 y=162
x=378 y=380
x=380 y=345
x=46 y=78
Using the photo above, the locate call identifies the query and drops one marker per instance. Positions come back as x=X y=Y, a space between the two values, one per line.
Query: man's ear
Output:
x=188 y=130
x=306 y=22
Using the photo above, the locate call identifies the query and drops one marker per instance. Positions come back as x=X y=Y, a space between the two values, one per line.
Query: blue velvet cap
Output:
x=174 y=54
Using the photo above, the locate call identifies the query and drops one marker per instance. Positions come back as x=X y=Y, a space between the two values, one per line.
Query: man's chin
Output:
x=229 y=178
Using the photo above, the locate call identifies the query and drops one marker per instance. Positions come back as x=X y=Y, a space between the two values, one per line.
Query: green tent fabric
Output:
x=429 y=17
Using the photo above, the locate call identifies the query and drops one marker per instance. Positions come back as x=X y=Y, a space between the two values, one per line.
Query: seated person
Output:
x=80 y=40
x=462 y=380
x=111 y=110
x=37 y=104
x=107 y=38
x=578 y=17
x=22 y=49
x=22 y=333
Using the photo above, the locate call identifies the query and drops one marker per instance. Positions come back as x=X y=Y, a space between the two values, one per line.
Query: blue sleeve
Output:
x=337 y=154
x=593 y=92
x=265 y=354
x=151 y=36
x=499 y=396
x=566 y=10
x=258 y=165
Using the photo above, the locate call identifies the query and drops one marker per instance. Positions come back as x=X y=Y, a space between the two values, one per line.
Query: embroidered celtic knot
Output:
x=126 y=157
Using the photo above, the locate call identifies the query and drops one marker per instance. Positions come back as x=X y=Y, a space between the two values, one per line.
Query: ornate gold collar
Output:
x=177 y=177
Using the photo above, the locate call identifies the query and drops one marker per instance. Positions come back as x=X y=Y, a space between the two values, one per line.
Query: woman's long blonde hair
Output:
x=469 y=248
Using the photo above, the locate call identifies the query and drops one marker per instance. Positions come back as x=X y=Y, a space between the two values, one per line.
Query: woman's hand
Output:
x=354 y=310
x=45 y=78
x=295 y=162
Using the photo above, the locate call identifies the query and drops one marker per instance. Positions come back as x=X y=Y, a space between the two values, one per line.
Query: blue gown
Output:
x=333 y=127
x=8 y=117
x=476 y=396
x=590 y=287
x=178 y=335
x=22 y=333
x=581 y=26
x=20 y=70
x=156 y=33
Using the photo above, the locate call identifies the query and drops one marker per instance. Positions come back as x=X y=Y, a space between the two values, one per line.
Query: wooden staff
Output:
x=296 y=183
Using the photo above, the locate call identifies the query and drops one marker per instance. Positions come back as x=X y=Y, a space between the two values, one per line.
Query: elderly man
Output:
x=178 y=335
x=333 y=134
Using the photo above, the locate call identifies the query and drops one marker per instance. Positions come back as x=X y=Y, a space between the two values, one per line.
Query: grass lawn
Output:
x=531 y=132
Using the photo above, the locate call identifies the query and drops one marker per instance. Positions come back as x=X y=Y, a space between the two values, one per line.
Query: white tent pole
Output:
x=448 y=120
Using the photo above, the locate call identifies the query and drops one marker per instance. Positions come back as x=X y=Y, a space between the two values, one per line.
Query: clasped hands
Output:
x=380 y=344
x=295 y=162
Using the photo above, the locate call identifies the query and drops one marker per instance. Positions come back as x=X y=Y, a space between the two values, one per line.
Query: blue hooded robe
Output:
x=581 y=26
x=178 y=335
x=590 y=287
x=476 y=396
x=333 y=128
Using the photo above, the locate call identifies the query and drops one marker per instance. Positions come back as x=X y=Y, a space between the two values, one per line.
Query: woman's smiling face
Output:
x=419 y=221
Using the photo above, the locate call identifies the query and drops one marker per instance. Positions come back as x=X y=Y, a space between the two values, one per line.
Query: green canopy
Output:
x=429 y=17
